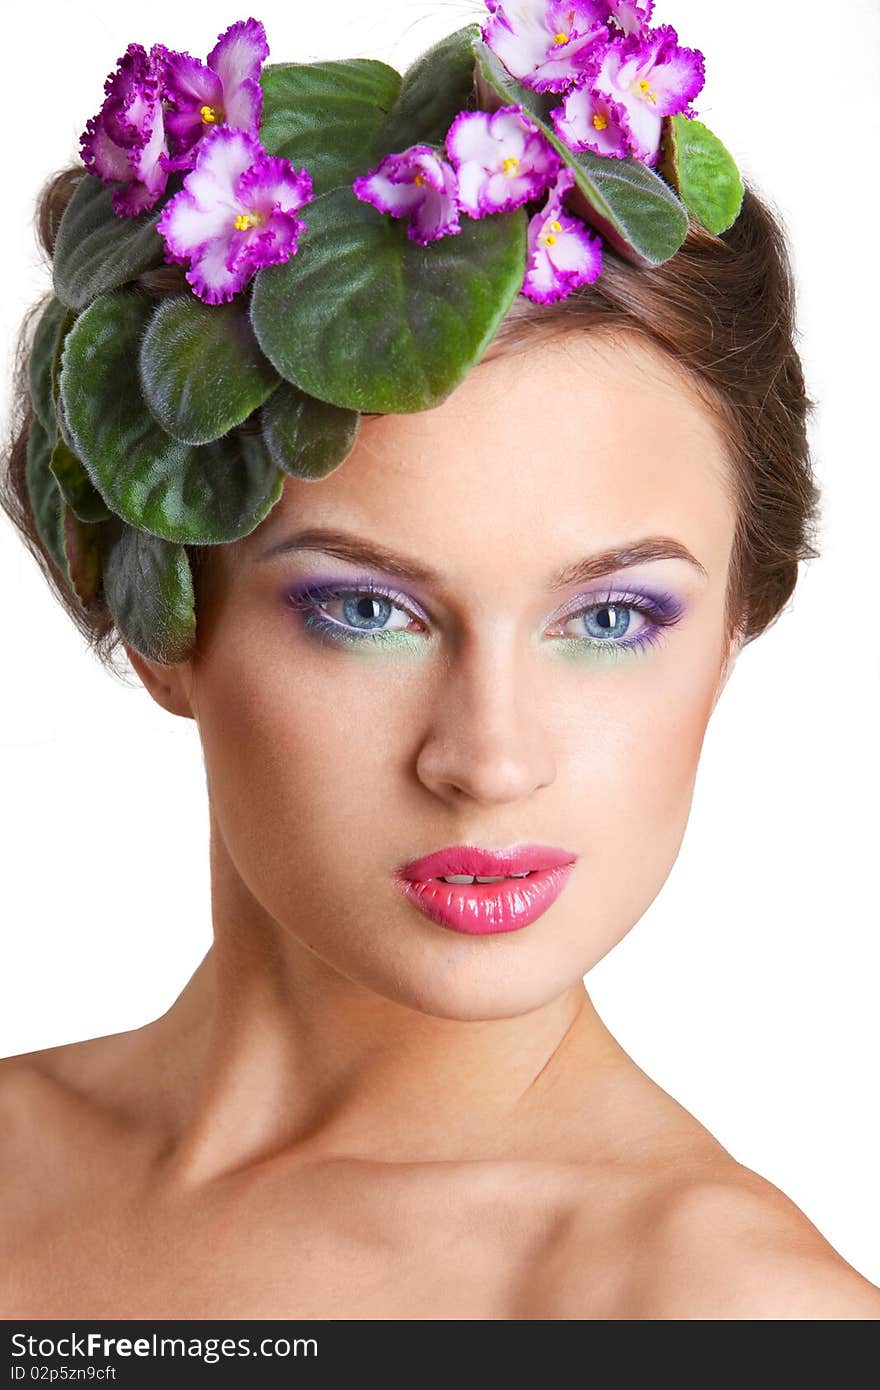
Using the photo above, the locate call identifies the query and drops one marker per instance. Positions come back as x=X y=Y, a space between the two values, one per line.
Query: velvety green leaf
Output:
x=61 y=417
x=41 y=360
x=306 y=437
x=66 y=324
x=149 y=590
x=83 y=554
x=435 y=88
x=632 y=206
x=180 y=492
x=364 y=318
x=81 y=496
x=95 y=250
x=47 y=501
x=704 y=172
x=324 y=116
x=202 y=371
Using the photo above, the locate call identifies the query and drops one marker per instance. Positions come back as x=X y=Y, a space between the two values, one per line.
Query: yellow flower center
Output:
x=245 y=220
x=600 y=121
x=511 y=165
x=560 y=39
x=643 y=89
x=549 y=239
x=419 y=179
x=210 y=115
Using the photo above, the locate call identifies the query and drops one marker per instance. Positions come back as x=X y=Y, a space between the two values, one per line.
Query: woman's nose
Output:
x=485 y=738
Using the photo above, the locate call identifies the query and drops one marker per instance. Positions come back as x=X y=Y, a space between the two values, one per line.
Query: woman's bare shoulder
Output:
x=70 y=1079
x=731 y=1245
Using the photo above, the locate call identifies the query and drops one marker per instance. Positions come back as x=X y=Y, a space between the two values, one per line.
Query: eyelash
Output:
x=663 y=613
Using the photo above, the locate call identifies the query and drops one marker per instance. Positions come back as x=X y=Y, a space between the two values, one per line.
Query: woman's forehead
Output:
x=579 y=441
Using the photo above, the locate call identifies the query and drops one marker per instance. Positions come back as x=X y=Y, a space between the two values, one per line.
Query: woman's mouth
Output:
x=482 y=903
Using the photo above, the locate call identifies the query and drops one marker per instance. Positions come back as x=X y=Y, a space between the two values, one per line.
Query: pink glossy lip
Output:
x=483 y=908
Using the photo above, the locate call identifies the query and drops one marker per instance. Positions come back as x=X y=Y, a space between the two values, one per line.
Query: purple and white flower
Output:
x=641 y=79
x=587 y=120
x=417 y=183
x=502 y=160
x=234 y=214
x=562 y=251
x=223 y=91
x=125 y=142
x=545 y=43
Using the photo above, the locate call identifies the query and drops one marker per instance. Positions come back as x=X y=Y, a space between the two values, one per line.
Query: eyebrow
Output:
x=346 y=546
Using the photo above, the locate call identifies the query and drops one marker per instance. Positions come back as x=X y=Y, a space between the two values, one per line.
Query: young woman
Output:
x=451 y=701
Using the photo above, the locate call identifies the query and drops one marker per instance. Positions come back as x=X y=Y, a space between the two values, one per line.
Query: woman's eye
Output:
x=605 y=622
x=369 y=613
x=353 y=615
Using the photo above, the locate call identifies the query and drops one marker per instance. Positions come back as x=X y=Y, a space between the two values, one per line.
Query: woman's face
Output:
x=498 y=699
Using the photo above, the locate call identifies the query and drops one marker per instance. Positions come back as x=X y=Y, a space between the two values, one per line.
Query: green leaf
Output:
x=149 y=590
x=41 y=360
x=67 y=323
x=95 y=250
x=81 y=496
x=306 y=437
x=364 y=318
x=704 y=172
x=202 y=371
x=634 y=209
x=47 y=501
x=435 y=88
x=324 y=116
x=180 y=492
x=83 y=556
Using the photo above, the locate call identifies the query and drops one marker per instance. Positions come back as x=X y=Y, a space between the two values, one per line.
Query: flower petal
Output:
x=211 y=277
x=630 y=16
x=239 y=53
x=436 y=216
x=587 y=120
x=272 y=182
x=244 y=106
x=101 y=155
x=189 y=86
x=386 y=194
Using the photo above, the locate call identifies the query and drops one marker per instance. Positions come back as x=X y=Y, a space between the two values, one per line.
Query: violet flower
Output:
x=502 y=159
x=562 y=252
x=234 y=213
x=417 y=183
x=125 y=142
x=640 y=79
x=586 y=120
x=545 y=43
x=223 y=91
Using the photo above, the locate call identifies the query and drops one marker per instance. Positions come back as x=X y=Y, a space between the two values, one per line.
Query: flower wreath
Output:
x=500 y=163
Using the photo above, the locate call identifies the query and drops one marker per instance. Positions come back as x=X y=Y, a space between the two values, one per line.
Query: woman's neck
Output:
x=273 y=1052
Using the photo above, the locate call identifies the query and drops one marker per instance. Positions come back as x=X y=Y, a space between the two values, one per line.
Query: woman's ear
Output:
x=170 y=686
x=732 y=651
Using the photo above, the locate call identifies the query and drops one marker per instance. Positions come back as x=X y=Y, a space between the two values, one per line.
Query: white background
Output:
x=749 y=989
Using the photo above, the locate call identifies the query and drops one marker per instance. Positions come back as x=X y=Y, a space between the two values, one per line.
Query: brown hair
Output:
x=723 y=307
